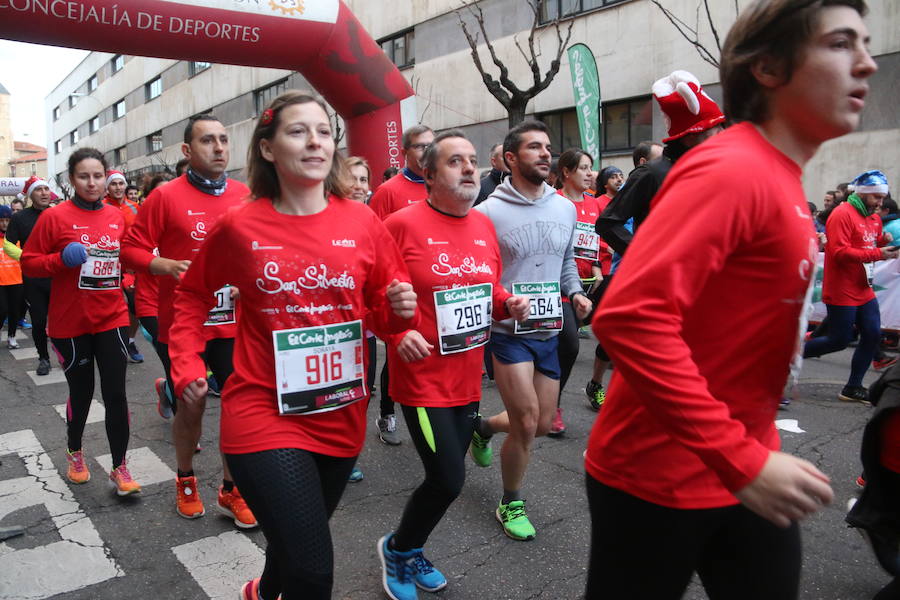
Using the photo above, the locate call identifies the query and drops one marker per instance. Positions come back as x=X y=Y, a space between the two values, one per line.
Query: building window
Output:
x=626 y=124
x=73 y=100
x=154 y=142
x=197 y=66
x=564 y=133
x=120 y=157
x=263 y=96
x=119 y=109
x=92 y=83
x=57 y=147
x=34 y=168
x=555 y=9
x=94 y=124
x=73 y=137
x=153 y=88
x=56 y=113
x=117 y=62
x=400 y=48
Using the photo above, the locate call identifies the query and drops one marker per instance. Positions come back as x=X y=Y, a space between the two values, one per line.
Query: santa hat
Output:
x=685 y=105
x=33 y=183
x=870 y=182
x=113 y=176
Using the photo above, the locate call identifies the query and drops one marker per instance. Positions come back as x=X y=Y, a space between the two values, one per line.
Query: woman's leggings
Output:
x=841 y=319
x=37 y=292
x=76 y=357
x=568 y=345
x=644 y=551
x=10 y=302
x=441 y=437
x=293 y=493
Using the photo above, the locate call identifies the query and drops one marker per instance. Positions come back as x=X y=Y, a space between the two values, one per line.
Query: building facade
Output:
x=135 y=108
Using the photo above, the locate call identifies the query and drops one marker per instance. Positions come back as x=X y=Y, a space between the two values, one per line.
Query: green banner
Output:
x=586 y=89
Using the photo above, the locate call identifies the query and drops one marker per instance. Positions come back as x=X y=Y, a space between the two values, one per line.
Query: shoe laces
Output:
x=236 y=501
x=515 y=510
x=423 y=565
x=186 y=487
x=77 y=460
x=404 y=567
x=478 y=441
x=122 y=473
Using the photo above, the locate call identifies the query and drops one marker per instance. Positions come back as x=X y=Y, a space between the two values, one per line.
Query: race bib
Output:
x=223 y=312
x=463 y=317
x=546 y=306
x=586 y=242
x=870 y=272
x=320 y=368
x=101 y=271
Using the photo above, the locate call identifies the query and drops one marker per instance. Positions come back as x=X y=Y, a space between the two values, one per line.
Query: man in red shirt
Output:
x=855 y=242
x=176 y=219
x=683 y=465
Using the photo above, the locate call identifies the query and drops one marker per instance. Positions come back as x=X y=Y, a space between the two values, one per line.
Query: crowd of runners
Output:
x=274 y=292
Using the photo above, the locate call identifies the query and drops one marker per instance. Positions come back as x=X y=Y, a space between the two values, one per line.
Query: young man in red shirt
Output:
x=683 y=467
x=855 y=242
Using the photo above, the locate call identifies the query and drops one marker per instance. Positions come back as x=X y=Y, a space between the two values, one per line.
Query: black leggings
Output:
x=644 y=551
x=568 y=345
x=387 y=403
x=77 y=356
x=293 y=493
x=10 y=302
x=596 y=297
x=372 y=346
x=443 y=452
x=37 y=292
x=217 y=355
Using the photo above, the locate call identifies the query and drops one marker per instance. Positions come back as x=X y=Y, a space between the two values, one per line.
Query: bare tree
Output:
x=692 y=34
x=62 y=183
x=512 y=97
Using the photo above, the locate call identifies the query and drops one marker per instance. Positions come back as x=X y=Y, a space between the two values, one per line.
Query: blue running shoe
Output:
x=397 y=571
x=426 y=576
x=355 y=475
x=23 y=324
x=133 y=354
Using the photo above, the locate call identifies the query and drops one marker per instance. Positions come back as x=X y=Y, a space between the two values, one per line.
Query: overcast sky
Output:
x=29 y=72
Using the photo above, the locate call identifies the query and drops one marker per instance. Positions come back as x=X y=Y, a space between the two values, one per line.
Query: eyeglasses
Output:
x=422 y=147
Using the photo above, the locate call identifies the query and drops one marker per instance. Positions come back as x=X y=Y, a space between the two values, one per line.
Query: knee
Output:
x=524 y=423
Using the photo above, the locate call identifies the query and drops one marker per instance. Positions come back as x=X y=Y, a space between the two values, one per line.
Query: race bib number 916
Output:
x=546 y=306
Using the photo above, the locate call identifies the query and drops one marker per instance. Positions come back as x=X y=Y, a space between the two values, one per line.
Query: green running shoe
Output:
x=596 y=394
x=480 y=449
x=514 y=520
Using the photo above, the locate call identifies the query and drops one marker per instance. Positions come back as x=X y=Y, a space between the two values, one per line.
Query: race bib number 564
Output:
x=546 y=306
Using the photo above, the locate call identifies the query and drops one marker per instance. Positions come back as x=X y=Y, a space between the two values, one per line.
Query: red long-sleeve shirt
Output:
x=396 y=193
x=176 y=219
x=80 y=302
x=442 y=253
x=853 y=240
x=587 y=211
x=702 y=320
x=293 y=272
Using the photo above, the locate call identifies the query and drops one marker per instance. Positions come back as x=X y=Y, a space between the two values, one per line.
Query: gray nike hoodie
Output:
x=535 y=242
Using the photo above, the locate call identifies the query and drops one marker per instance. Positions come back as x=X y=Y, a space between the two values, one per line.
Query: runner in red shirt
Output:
x=293 y=414
x=454 y=259
x=76 y=243
x=683 y=467
x=175 y=220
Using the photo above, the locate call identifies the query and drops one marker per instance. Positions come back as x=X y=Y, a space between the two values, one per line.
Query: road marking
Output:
x=145 y=466
x=23 y=353
x=790 y=425
x=54 y=376
x=222 y=564
x=78 y=560
x=96 y=414
x=20 y=335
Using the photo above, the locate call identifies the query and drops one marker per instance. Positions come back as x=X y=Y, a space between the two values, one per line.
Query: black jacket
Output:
x=488 y=183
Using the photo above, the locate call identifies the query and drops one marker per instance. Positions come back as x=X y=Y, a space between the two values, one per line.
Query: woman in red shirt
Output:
x=76 y=243
x=313 y=269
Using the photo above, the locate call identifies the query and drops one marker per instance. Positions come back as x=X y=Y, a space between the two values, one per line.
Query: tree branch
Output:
x=492 y=85
x=712 y=26
x=683 y=28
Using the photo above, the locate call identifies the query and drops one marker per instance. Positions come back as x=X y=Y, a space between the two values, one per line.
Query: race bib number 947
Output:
x=546 y=306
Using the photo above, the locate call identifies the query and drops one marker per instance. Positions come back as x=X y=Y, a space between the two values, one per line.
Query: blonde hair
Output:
x=358 y=161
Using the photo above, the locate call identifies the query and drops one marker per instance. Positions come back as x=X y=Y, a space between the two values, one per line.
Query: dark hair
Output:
x=832 y=192
x=513 y=138
x=17 y=201
x=414 y=131
x=130 y=187
x=189 y=128
x=155 y=181
x=84 y=154
x=181 y=166
x=605 y=174
x=890 y=204
x=643 y=150
x=429 y=158
x=569 y=160
x=774 y=29
x=813 y=209
x=261 y=175
x=388 y=173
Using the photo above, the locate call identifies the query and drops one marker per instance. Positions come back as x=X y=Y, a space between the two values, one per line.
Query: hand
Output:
x=788 y=488
x=195 y=391
x=890 y=251
x=888 y=237
x=168 y=266
x=582 y=305
x=413 y=347
x=402 y=299
x=593 y=289
x=74 y=255
x=235 y=293
x=519 y=307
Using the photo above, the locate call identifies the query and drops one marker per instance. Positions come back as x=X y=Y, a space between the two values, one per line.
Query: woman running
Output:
x=311 y=267
x=76 y=244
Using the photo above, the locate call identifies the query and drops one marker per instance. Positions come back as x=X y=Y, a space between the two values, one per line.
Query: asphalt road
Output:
x=84 y=542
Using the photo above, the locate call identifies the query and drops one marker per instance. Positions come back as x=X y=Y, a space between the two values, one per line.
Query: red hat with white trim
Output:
x=115 y=175
x=685 y=105
x=33 y=183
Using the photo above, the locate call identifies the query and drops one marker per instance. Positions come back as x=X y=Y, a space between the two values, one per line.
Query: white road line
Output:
x=145 y=466
x=222 y=564
x=78 y=560
x=24 y=353
x=96 y=414
x=55 y=375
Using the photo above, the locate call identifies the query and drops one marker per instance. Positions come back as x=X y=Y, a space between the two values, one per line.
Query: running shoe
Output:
x=212 y=385
x=480 y=450
x=861 y=481
x=43 y=367
x=884 y=362
x=398 y=570
x=558 y=427
x=854 y=394
x=122 y=480
x=596 y=394
x=13 y=344
x=188 y=503
x=514 y=520
x=133 y=354
x=232 y=505
x=250 y=590
x=163 y=404
x=784 y=403
x=387 y=430
x=23 y=324
x=355 y=475
x=426 y=577
x=78 y=470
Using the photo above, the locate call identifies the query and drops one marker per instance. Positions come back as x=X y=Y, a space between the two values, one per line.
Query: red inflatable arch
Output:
x=321 y=39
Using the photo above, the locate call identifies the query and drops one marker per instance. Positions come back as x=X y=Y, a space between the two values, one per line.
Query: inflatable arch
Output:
x=321 y=39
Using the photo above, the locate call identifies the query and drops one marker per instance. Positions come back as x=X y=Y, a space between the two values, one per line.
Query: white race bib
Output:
x=586 y=242
x=223 y=312
x=319 y=368
x=101 y=271
x=463 y=317
x=546 y=306
x=870 y=272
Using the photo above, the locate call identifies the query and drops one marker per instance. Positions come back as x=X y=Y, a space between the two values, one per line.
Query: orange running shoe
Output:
x=189 y=504
x=233 y=506
x=78 y=470
x=122 y=480
x=250 y=590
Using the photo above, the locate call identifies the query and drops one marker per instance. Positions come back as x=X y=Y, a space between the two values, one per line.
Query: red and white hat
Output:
x=685 y=105
x=113 y=176
x=33 y=183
